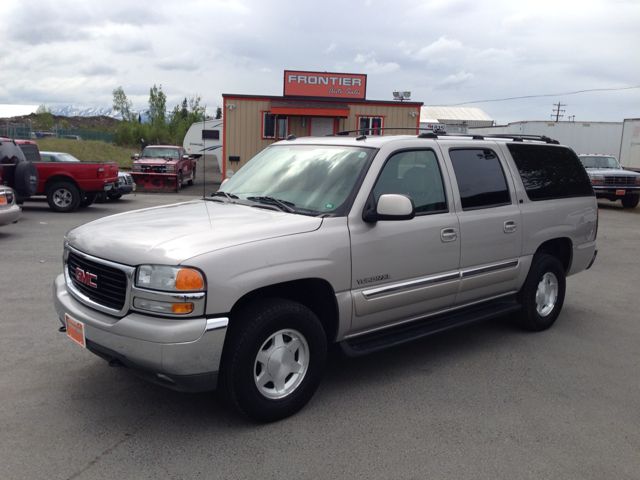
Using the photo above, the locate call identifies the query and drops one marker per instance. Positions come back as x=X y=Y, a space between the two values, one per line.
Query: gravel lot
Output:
x=485 y=401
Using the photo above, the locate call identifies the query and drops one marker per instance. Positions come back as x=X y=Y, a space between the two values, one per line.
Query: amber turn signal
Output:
x=182 y=307
x=189 y=279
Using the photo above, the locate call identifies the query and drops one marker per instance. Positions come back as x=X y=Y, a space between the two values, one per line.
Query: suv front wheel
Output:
x=542 y=294
x=274 y=359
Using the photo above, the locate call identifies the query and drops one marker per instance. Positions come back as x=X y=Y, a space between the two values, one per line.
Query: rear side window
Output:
x=550 y=172
x=480 y=178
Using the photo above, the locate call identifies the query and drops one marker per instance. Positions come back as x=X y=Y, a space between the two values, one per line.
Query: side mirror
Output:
x=135 y=156
x=185 y=157
x=391 y=206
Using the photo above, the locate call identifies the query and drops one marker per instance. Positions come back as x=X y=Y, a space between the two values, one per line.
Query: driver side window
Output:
x=414 y=173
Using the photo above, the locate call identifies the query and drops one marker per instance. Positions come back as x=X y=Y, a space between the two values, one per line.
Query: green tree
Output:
x=122 y=104
x=64 y=124
x=184 y=112
x=44 y=118
x=157 y=106
x=218 y=113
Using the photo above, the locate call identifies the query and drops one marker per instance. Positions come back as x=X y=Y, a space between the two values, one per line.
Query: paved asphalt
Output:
x=482 y=402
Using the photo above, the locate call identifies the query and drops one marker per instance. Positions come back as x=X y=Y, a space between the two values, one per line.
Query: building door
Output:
x=321 y=126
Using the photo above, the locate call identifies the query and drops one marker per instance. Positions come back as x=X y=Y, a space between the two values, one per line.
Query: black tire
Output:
x=89 y=198
x=630 y=201
x=542 y=294
x=63 y=197
x=193 y=177
x=274 y=358
x=26 y=179
x=114 y=196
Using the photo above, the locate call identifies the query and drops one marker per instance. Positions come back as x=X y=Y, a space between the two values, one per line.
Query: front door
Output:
x=407 y=268
x=321 y=126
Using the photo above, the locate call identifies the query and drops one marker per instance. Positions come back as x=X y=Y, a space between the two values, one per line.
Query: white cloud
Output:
x=65 y=51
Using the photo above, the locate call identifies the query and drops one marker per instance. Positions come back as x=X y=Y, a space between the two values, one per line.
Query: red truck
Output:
x=163 y=168
x=69 y=183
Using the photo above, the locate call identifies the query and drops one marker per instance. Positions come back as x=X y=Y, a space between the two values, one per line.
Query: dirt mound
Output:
x=100 y=123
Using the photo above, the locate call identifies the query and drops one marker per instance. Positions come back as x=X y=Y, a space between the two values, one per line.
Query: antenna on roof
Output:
x=204 y=157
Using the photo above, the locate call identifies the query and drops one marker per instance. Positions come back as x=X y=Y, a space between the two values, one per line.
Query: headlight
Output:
x=137 y=168
x=169 y=279
x=596 y=178
x=170 y=168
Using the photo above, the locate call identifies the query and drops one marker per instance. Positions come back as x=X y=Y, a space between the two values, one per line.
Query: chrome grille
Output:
x=111 y=283
x=621 y=181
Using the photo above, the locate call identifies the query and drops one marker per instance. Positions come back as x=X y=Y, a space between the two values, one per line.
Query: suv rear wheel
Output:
x=274 y=359
x=63 y=197
x=542 y=294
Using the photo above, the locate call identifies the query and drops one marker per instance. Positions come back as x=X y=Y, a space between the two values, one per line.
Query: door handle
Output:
x=510 y=226
x=449 y=234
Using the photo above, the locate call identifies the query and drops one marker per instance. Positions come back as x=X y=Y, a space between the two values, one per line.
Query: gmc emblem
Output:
x=86 y=278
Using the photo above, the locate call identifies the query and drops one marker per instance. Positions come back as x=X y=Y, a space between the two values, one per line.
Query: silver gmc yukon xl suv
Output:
x=367 y=242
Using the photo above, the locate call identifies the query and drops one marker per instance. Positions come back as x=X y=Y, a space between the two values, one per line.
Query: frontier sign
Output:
x=323 y=84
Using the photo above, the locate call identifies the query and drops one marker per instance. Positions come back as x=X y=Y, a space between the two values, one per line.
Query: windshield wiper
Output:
x=283 y=204
x=228 y=196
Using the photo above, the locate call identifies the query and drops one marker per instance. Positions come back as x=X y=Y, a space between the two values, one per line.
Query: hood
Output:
x=612 y=171
x=172 y=234
x=155 y=161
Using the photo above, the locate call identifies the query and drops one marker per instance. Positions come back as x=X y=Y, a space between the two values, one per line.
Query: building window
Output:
x=368 y=125
x=269 y=123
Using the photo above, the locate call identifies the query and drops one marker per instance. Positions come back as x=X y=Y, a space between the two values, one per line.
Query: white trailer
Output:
x=630 y=145
x=205 y=138
x=583 y=137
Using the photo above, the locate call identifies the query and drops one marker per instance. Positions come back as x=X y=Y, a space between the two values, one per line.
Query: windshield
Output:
x=599 y=161
x=66 y=157
x=159 y=152
x=310 y=178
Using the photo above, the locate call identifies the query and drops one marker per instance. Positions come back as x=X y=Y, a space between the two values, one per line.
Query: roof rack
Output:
x=429 y=133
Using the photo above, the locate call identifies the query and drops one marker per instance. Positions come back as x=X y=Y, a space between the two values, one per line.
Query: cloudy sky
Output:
x=446 y=52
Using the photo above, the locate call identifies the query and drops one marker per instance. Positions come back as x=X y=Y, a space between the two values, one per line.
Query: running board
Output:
x=393 y=336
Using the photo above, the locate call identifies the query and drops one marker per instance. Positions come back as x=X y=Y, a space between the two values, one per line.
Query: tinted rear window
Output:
x=549 y=172
x=31 y=152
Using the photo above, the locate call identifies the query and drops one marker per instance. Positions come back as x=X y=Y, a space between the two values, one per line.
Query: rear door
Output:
x=490 y=222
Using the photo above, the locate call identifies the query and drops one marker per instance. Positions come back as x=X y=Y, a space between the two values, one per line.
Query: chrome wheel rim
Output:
x=281 y=364
x=547 y=294
x=62 y=197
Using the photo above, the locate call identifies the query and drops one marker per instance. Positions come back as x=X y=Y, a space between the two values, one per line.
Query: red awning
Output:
x=309 y=109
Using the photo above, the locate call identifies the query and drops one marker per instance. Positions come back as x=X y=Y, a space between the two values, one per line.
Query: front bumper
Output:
x=615 y=191
x=179 y=354
x=10 y=214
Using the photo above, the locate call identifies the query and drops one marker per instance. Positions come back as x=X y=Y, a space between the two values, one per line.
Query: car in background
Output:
x=17 y=172
x=125 y=185
x=58 y=157
x=610 y=181
x=71 y=137
x=10 y=211
x=67 y=182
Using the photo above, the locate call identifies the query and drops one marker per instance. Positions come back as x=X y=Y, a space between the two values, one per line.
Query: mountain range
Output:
x=73 y=111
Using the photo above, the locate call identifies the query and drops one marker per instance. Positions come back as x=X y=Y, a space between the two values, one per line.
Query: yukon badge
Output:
x=86 y=278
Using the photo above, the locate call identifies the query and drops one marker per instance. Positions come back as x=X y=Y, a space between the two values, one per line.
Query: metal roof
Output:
x=472 y=116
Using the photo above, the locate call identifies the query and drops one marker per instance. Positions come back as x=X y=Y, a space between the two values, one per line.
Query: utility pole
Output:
x=558 y=111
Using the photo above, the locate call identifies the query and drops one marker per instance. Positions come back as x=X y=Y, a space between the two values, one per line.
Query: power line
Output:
x=538 y=96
